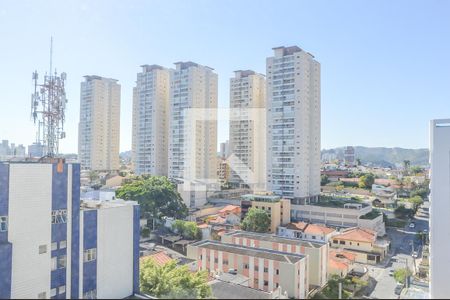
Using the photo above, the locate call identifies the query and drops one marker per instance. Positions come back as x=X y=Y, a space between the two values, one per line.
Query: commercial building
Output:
x=151 y=121
x=293 y=124
x=54 y=246
x=266 y=269
x=193 y=127
x=363 y=243
x=99 y=127
x=248 y=130
x=440 y=208
x=277 y=208
x=316 y=252
x=340 y=213
x=36 y=150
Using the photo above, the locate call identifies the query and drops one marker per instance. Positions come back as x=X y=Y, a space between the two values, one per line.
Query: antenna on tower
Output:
x=48 y=106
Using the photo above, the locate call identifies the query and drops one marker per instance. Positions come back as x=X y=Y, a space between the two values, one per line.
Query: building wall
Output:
x=192 y=156
x=248 y=129
x=440 y=208
x=293 y=119
x=317 y=257
x=151 y=121
x=257 y=269
x=115 y=268
x=99 y=127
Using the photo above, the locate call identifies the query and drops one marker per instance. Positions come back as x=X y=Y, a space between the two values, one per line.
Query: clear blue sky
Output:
x=385 y=64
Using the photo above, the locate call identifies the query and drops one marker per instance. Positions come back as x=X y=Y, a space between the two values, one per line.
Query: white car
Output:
x=414 y=254
x=412 y=225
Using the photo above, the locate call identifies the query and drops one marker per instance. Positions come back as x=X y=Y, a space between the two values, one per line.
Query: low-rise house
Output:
x=317 y=252
x=205 y=230
x=307 y=232
x=266 y=269
x=363 y=243
x=230 y=209
x=340 y=262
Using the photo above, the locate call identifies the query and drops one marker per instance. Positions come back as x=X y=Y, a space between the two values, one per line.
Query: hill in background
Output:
x=383 y=157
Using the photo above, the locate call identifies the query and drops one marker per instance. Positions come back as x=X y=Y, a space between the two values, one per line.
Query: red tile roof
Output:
x=159 y=258
x=357 y=234
x=229 y=208
x=202 y=226
x=310 y=228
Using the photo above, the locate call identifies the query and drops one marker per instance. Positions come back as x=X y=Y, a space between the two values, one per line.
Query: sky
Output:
x=385 y=65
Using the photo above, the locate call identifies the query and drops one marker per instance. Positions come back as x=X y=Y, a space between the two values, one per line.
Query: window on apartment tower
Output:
x=62 y=261
x=90 y=295
x=3 y=224
x=59 y=216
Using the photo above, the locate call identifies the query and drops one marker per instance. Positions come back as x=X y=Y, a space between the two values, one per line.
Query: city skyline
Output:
x=376 y=73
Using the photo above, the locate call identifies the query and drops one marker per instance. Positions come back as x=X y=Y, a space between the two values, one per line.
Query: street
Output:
x=403 y=243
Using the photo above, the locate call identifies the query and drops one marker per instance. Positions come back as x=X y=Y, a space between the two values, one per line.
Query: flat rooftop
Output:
x=274 y=238
x=289 y=258
x=89 y=204
x=261 y=198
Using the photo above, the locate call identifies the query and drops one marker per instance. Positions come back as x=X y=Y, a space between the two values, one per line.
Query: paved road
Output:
x=403 y=241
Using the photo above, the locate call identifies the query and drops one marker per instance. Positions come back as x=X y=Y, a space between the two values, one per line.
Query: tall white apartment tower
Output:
x=248 y=130
x=293 y=125
x=150 y=121
x=99 y=127
x=440 y=208
x=193 y=126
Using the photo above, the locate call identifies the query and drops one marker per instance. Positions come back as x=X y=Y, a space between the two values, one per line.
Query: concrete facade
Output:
x=293 y=124
x=151 y=121
x=99 y=126
x=440 y=208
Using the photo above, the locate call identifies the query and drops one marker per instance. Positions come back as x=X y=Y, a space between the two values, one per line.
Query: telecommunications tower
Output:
x=48 y=105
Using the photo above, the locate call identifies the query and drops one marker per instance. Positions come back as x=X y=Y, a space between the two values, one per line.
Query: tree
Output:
x=324 y=179
x=188 y=230
x=402 y=212
x=366 y=181
x=93 y=176
x=416 y=170
x=157 y=196
x=256 y=220
x=172 y=282
x=401 y=274
x=416 y=202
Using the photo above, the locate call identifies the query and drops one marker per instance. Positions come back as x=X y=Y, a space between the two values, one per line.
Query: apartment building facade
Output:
x=99 y=126
x=293 y=125
x=316 y=252
x=193 y=129
x=440 y=207
x=151 y=121
x=266 y=269
x=53 y=247
x=248 y=130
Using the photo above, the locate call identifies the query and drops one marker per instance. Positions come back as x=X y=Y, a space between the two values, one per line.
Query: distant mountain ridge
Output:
x=382 y=156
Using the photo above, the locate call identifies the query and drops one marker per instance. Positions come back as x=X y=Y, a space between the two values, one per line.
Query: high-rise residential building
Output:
x=151 y=121
x=349 y=156
x=99 y=127
x=193 y=124
x=248 y=129
x=224 y=149
x=54 y=246
x=293 y=124
x=440 y=208
x=36 y=150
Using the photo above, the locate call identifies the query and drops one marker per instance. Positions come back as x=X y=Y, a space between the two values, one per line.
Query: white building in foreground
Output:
x=52 y=246
x=440 y=208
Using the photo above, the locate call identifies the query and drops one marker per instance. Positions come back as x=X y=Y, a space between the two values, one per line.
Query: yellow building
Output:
x=278 y=209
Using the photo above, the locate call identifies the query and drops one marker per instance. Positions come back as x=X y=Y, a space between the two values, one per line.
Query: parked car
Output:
x=398 y=288
x=414 y=254
x=391 y=272
x=412 y=225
